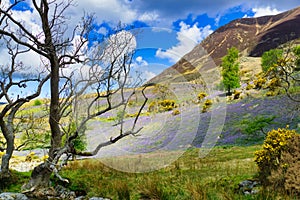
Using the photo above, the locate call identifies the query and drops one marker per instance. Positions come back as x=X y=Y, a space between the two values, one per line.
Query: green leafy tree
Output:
x=230 y=70
x=270 y=58
x=296 y=52
x=281 y=71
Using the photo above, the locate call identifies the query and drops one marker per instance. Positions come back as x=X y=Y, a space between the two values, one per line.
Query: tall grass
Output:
x=190 y=177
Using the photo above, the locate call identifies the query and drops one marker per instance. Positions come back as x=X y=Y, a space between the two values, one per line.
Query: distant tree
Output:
x=270 y=58
x=230 y=70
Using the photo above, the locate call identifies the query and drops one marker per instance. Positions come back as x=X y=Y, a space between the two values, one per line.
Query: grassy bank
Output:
x=214 y=177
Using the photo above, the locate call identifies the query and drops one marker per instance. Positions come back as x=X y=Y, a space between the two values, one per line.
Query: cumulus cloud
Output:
x=148 y=16
x=142 y=68
x=263 y=11
x=188 y=37
x=108 y=10
x=141 y=62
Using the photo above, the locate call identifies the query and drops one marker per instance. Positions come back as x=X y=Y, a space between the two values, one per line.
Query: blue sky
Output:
x=171 y=28
x=168 y=29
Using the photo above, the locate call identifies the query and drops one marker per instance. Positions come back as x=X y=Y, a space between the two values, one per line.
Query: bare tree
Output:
x=8 y=84
x=104 y=69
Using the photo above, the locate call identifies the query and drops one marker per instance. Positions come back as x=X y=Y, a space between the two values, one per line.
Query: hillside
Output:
x=252 y=36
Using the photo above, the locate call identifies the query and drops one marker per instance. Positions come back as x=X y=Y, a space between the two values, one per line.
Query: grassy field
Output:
x=213 y=177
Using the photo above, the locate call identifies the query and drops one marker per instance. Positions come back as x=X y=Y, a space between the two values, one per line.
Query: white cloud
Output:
x=149 y=17
x=149 y=75
x=102 y=30
x=142 y=68
x=263 y=11
x=188 y=37
x=141 y=62
x=139 y=65
x=108 y=10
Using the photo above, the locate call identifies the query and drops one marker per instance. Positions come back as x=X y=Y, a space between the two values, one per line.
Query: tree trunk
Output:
x=7 y=156
x=40 y=178
x=228 y=91
x=9 y=137
x=54 y=118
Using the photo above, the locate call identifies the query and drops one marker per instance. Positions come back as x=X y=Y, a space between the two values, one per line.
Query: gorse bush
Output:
x=30 y=157
x=291 y=159
x=278 y=161
x=176 y=112
x=236 y=94
x=207 y=104
x=250 y=86
x=162 y=106
x=152 y=106
x=201 y=96
x=269 y=157
x=286 y=176
x=259 y=82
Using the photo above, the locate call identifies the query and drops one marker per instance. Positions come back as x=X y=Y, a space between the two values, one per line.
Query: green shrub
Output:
x=256 y=125
x=269 y=159
x=79 y=143
x=270 y=58
x=37 y=102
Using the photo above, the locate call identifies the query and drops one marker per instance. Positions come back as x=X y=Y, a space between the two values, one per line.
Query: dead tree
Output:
x=8 y=83
x=105 y=70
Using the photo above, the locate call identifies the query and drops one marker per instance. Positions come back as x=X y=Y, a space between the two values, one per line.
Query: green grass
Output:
x=15 y=182
x=213 y=177
x=190 y=177
x=30 y=110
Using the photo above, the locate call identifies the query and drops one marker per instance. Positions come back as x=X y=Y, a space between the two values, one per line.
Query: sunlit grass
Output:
x=215 y=176
x=189 y=176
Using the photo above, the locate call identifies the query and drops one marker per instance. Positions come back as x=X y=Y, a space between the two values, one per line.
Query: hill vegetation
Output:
x=256 y=155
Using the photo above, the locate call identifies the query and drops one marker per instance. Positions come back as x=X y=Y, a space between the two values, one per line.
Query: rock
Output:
x=80 y=198
x=64 y=193
x=92 y=198
x=247 y=187
x=13 y=196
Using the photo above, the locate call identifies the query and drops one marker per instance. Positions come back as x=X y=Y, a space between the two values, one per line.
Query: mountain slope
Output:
x=252 y=36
